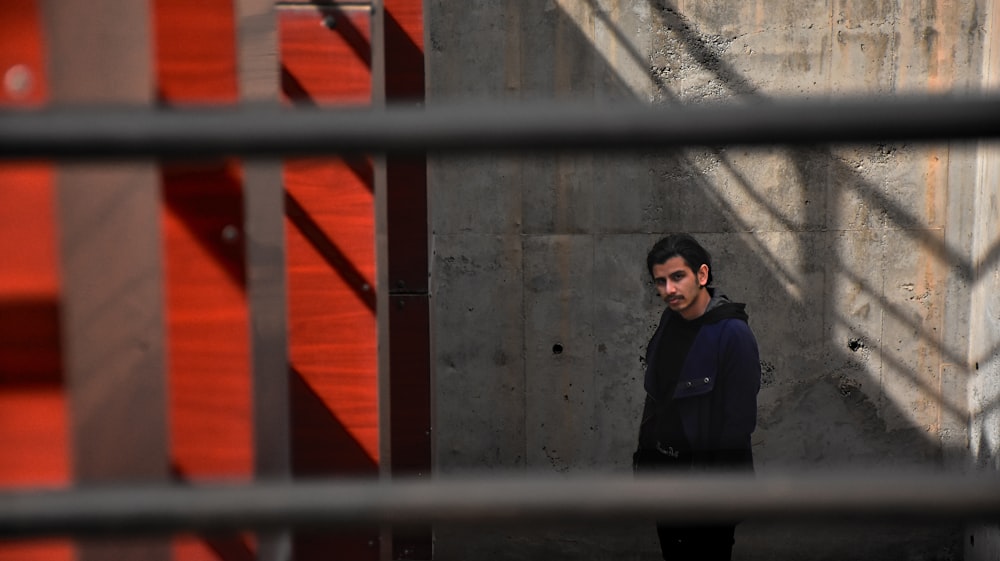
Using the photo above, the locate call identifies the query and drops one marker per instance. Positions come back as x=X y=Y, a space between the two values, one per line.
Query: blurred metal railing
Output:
x=508 y=500
x=115 y=133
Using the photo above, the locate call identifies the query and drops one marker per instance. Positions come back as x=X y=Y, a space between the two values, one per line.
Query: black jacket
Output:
x=716 y=395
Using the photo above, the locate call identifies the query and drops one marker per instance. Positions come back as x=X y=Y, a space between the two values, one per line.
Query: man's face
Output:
x=680 y=287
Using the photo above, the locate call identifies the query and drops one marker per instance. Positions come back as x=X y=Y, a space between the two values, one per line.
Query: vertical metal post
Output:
x=110 y=263
x=406 y=308
x=381 y=268
x=266 y=275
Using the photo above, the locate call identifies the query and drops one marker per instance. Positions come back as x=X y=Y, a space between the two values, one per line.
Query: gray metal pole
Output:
x=110 y=133
x=509 y=500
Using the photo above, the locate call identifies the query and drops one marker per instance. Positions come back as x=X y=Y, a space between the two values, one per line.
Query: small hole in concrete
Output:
x=855 y=344
x=557 y=349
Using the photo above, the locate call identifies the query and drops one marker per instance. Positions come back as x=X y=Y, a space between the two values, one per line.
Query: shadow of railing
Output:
x=792 y=260
x=807 y=162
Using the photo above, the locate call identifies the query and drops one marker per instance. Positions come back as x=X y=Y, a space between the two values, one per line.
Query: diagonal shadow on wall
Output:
x=295 y=91
x=821 y=171
x=685 y=182
x=208 y=198
x=822 y=408
x=329 y=251
x=322 y=446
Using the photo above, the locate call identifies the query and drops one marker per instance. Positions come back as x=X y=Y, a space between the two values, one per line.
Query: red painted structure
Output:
x=325 y=58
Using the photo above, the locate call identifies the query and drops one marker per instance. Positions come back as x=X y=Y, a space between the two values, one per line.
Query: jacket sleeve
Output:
x=739 y=365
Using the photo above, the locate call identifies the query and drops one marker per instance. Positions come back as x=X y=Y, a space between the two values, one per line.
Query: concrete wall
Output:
x=983 y=543
x=855 y=261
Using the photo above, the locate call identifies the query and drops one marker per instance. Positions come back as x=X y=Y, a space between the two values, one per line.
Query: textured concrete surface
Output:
x=982 y=543
x=870 y=272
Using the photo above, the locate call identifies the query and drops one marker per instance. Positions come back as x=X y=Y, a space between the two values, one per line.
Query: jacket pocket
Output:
x=694 y=386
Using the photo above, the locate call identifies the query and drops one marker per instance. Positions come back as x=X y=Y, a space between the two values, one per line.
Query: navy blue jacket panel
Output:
x=716 y=394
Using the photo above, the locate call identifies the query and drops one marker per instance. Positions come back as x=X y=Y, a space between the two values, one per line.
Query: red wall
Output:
x=33 y=406
x=210 y=409
x=330 y=231
x=325 y=58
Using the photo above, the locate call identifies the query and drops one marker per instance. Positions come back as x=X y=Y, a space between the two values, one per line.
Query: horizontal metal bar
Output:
x=482 y=501
x=255 y=132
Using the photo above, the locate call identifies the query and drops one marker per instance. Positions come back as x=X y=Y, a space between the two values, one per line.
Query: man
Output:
x=702 y=379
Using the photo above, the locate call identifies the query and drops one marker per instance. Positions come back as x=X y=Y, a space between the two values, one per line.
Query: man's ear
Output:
x=703 y=275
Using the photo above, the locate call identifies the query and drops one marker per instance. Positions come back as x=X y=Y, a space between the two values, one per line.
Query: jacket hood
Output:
x=720 y=307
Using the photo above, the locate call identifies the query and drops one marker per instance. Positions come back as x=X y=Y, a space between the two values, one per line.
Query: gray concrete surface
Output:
x=982 y=543
x=870 y=272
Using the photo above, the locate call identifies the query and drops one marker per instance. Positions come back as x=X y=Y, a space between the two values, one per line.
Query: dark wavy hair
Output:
x=683 y=245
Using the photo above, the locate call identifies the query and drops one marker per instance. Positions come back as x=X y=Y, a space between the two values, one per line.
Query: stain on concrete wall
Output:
x=856 y=262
